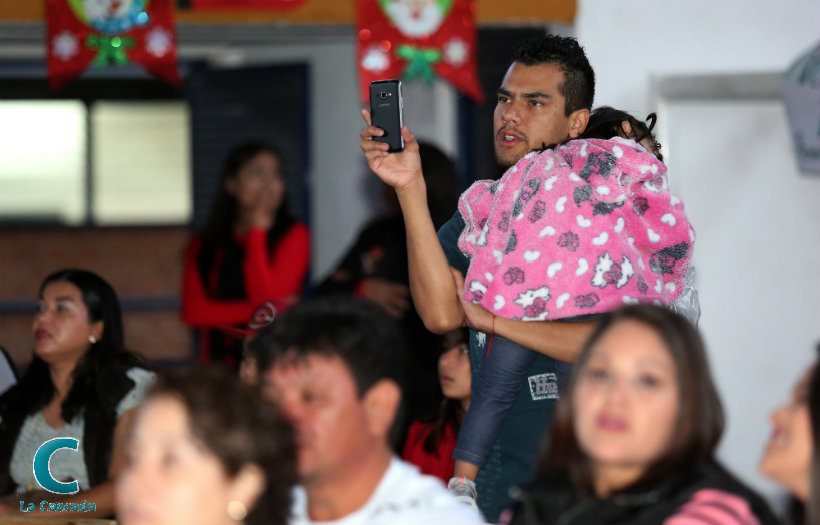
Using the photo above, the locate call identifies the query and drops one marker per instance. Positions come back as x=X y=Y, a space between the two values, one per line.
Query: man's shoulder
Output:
x=448 y=238
x=408 y=496
x=450 y=230
x=404 y=497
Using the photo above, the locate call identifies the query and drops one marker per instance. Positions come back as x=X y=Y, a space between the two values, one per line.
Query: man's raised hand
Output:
x=399 y=170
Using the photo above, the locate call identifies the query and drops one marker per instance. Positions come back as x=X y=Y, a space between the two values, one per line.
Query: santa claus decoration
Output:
x=418 y=39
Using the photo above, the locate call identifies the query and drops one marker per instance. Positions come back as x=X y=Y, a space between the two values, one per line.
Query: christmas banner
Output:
x=99 y=33
x=418 y=39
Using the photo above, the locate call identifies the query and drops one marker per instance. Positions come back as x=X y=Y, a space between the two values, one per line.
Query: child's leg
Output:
x=495 y=386
x=465 y=469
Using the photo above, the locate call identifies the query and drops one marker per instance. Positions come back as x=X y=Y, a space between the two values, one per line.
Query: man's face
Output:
x=319 y=397
x=530 y=112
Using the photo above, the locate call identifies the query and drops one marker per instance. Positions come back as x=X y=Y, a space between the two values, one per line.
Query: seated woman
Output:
x=635 y=431
x=207 y=450
x=81 y=383
x=250 y=250
x=792 y=456
x=430 y=443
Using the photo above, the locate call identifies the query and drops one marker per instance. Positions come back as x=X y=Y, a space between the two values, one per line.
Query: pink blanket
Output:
x=581 y=229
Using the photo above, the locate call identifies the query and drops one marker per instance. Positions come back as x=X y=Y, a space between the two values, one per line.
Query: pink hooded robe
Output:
x=581 y=229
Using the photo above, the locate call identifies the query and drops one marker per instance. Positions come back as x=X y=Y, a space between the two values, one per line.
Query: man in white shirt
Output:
x=335 y=367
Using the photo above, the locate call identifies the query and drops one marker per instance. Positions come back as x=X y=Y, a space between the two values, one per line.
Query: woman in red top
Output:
x=250 y=251
x=430 y=443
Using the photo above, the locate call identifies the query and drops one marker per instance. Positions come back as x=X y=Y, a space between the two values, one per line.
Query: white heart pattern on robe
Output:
x=553 y=269
x=562 y=299
x=583 y=266
x=669 y=219
x=499 y=302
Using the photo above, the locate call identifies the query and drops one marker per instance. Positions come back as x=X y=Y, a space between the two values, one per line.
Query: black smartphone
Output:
x=386 y=112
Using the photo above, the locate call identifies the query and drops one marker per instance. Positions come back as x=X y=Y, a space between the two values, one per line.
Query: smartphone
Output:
x=387 y=112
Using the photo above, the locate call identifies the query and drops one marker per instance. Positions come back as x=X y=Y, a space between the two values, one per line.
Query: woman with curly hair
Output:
x=207 y=450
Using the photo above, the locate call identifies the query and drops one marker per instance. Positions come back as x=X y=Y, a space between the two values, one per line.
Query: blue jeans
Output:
x=495 y=387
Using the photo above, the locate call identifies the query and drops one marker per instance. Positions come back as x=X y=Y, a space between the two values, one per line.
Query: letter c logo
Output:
x=42 y=472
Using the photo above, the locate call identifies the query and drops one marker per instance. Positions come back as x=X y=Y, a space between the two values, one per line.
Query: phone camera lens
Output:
x=383 y=95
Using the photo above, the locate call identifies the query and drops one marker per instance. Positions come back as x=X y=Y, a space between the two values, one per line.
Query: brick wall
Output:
x=143 y=264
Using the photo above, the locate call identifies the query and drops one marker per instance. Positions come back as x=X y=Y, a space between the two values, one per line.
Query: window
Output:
x=42 y=161
x=141 y=163
x=103 y=162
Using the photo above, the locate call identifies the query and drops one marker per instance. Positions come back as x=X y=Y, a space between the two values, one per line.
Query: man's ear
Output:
x=578 y=121
x=381 y=403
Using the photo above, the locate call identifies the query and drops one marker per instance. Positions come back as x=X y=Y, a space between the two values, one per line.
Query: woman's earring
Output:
x=237 y=510
x=92 y=339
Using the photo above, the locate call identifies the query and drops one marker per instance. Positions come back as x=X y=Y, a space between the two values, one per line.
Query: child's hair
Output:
x=606 y=122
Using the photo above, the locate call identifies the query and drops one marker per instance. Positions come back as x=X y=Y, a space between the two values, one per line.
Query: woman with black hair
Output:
x=82 y=383
x=635 y=432
x=792 y=455
x=250 y=251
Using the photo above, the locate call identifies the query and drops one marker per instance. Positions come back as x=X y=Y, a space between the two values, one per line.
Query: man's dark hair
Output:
x=358 y=332
x=578 y=88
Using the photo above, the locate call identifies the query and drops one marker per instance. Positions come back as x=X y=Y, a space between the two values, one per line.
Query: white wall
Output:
x=757 y=255
x=630 y=41
x=758 y=220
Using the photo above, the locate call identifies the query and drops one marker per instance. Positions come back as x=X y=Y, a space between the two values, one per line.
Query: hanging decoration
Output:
x=101 y=33
x=418 y=40
x=801 y=95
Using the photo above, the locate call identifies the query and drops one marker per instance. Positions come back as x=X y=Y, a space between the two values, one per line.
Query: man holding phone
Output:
x=544 y=98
